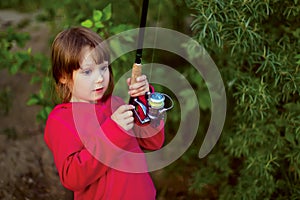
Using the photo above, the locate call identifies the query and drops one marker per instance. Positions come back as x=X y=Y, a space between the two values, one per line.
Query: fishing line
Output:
x=155 y=41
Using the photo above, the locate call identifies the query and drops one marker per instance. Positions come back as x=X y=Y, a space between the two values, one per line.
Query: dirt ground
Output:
x=27 y=171
x=26 y=165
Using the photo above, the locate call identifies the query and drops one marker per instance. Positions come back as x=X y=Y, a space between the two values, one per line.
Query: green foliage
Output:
x=256 y=45
x=5 y=100
x=20 y=5
x=98 y=19
x=15 y=59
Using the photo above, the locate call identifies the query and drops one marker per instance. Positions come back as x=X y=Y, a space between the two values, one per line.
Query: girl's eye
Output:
x=104 y=69
x=87 y=72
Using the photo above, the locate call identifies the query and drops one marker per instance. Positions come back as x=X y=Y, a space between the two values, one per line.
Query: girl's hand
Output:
x=140 y=87
x=123 y=116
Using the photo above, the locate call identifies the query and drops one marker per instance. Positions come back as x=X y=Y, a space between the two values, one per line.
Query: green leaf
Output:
x=290 y=137
x=87 y=23
x=120 y=28
x=97 y=15
x=107 y=12
x=42 y=115
x=116 y=47
x=204 y=100
x=35 y=79
x=32 y=101
x=99 y=24
x=298 y=59
x=190 y=103
x=14 y=69
x=48 y=109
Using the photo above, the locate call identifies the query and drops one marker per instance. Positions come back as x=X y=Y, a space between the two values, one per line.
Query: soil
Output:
x=27 y=171
x=26 y=165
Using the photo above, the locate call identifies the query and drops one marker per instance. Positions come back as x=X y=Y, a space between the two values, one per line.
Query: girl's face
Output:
x=91 y=80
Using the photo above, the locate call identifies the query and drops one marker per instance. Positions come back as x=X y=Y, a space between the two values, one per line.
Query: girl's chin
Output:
x=97 y=97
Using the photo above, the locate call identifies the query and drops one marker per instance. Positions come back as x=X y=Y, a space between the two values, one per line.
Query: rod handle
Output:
x=136 y=72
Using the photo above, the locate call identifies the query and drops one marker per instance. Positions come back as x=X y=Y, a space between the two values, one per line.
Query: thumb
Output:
x=128 y=81
x=124 y=108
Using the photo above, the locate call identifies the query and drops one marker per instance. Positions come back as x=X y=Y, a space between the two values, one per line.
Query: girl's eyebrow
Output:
x=104 y=63
x=87 y=66
x=94 y=64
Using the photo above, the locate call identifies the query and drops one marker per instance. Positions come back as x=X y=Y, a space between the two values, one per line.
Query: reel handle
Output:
x=170 y=107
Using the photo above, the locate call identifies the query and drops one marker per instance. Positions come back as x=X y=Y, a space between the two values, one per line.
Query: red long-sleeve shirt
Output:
x=95 y=157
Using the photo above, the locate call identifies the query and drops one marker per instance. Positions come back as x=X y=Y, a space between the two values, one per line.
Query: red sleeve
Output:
x=77 y=167
x=149 y=137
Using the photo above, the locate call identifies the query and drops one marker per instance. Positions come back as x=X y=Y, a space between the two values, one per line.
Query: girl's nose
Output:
x=99 y=78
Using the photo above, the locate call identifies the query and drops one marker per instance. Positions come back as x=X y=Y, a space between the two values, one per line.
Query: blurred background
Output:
x=256 y=46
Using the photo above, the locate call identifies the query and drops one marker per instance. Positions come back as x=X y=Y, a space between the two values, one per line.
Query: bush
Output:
x=256 y=45
x=20 y=60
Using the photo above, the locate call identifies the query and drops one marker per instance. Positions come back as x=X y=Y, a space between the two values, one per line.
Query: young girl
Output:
x=84 y=160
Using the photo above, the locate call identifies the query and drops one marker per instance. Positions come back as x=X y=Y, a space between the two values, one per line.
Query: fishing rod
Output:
x=137 y=66
x=153 y=109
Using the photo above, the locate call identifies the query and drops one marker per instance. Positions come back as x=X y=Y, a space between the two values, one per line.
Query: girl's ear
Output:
x=63 y=80
x=66 y=81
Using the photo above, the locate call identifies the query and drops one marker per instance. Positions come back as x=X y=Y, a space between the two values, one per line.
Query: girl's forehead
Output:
x=88 y=53
x=91 y=56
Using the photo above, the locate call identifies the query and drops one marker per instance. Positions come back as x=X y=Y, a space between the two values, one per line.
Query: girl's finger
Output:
x=137 y=85
x=124 y=108
x=128 y=114
x=125 y=113
x=128 y=81
x=129 y=120
x=141 y=78
x=140 y=91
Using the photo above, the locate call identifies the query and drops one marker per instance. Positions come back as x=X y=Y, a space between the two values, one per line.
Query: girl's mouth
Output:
x=98 y=89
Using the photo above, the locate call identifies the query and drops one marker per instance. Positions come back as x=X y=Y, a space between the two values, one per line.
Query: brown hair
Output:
x=67 y=53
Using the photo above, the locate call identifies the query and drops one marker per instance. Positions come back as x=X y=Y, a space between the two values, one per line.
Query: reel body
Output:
x=151 y=108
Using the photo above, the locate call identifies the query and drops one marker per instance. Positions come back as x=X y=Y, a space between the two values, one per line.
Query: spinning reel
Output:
x=153 y=109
